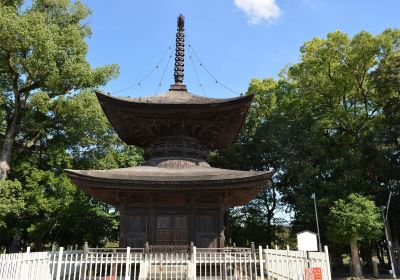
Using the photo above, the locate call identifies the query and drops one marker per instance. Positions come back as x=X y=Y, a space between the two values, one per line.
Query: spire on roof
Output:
x=180 y=51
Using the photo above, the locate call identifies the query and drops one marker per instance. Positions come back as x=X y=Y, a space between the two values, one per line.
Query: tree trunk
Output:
x=355 y=258
x=7 y=145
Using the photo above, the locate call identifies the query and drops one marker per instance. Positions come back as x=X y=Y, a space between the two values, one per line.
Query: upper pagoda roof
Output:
x=215 y=123
x=178 y=97
x=175 y=97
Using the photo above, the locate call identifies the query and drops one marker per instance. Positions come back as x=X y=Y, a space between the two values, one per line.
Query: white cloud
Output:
x=259 y=10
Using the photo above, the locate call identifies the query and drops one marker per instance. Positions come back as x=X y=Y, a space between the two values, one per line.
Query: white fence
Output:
x=287 y=264
x=134 y=264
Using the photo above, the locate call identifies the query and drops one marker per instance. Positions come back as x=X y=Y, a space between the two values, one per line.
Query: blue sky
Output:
x=236 y=40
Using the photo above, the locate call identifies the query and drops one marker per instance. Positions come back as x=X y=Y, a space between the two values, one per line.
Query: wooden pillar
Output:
x=122 y=237
x=221 y=229
x=151 y=223
x=192 y=219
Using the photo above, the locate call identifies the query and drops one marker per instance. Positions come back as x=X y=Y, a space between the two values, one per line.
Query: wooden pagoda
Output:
x=176 y=197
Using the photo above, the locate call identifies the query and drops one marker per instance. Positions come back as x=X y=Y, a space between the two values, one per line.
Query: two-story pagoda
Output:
x=176 y=197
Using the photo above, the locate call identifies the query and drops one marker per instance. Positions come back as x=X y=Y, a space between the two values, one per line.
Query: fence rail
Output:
x=136 y=264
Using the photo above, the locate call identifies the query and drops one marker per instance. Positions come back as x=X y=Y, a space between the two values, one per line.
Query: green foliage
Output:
x=42 y=56
x=355 y=218
x=11 y=204
x=341 y=117
x=85 y=219
x=256 y=222
x=75 y=133
x=43 y=46
x=329 y=125
x=261 y=145
x=67 y=132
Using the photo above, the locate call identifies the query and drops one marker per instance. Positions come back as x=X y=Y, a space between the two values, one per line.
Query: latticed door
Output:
x=172 y=230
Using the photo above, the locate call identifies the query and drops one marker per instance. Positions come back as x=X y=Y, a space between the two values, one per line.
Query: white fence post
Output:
x=328 y=263
x=23 y=267
x=127 y=263
x=261 y=262
x=194 y=263
x=287 y=262
x=267 y=262
x=85 y=248
x=59 y=263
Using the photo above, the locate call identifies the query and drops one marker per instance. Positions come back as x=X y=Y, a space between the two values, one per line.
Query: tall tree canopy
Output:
x=42 y=52
x=49 y=122
x=342 y=115
x=40 y=204
x=329 y=125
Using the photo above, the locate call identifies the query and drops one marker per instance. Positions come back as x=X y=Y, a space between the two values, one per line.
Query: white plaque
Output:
x=307 y=241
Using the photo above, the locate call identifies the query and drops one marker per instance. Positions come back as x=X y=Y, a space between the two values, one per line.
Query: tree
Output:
x=329 y=125
x=355 y=219
x=42 y=51
x=256 y=221
x=334 y=115
x=76 y=135
x=63 y=132
x=260 y=147
x=387 y=81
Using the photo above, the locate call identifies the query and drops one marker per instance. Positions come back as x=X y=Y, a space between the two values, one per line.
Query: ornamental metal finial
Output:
x=180 y=51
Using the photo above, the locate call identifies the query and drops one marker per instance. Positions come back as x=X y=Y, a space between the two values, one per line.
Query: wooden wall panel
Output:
x=134 y=231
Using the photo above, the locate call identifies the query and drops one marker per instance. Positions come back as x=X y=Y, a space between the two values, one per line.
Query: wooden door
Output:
x=172 y=230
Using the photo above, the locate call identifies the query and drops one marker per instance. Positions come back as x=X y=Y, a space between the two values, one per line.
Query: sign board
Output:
x=307 y=241
x=312 y=273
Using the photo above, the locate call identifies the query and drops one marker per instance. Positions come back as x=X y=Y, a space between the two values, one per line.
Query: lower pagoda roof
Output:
x=108 y=185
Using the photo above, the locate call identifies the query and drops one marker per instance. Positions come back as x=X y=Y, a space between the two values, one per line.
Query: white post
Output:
x=328 y=263
x=375 y=268
x=59 y=263
x=23 y=269
x=85 y=248
x=287 y=261
x=374 y=263
x=261 y=262
x=267 y=262
x=128 y=263
x=388 y=241
x=194 y=263
x=316 y=218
